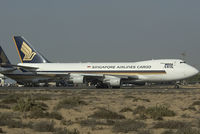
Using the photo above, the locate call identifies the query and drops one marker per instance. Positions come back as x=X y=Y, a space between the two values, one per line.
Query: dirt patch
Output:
x=141 y=111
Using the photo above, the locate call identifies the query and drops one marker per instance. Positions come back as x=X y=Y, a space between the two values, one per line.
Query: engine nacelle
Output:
x=77 y=79
x=112 y=81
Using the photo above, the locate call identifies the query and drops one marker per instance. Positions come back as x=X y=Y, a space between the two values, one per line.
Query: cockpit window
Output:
x=182 y=62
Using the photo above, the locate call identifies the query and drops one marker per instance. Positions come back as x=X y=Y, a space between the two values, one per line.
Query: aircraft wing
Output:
x=118 y=76
x=24 y=67
x=15 y=67
x=91 y=76
x=102 y=76
x=133 y=77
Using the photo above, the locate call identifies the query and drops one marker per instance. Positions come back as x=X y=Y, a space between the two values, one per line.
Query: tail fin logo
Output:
x=28 y=53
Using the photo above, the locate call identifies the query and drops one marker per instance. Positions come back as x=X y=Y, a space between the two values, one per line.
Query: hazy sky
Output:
x=103 y=30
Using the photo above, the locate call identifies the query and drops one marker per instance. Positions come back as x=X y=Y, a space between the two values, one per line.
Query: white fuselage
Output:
x=151 y=70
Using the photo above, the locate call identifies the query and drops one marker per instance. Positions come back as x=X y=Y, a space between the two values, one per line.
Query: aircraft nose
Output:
x=190 y=71
x=196 y=71
x=193 y=71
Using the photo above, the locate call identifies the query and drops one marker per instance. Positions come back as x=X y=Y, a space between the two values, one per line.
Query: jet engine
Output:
x=112 y=81
x=77 y=79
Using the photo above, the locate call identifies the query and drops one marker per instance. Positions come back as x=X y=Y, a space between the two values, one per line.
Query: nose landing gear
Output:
x=177 y=85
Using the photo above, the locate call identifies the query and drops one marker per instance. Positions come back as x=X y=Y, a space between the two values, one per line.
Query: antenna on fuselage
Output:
x=183 y=55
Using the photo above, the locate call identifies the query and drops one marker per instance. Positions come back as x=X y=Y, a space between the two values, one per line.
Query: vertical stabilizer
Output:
x=3 y=57
x=26 y=52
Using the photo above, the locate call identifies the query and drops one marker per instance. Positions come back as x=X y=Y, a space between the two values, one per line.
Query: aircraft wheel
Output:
x=177 y=86
x=116 y=87
x=101 y=85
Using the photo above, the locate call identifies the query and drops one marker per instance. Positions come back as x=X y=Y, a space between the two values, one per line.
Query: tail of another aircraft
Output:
x=26 y=52
x=3 y=57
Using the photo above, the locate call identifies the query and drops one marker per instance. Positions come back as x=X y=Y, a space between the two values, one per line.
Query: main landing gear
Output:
x=101 y=85
x=177 y=86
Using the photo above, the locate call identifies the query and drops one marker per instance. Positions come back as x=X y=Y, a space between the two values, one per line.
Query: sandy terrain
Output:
x=89 y=111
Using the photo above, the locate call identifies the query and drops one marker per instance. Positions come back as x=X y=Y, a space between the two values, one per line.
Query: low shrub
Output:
x=28 y=104
x=6 y=119
x=66 y=122
x=38 y=113
x=158 y=112
x=55 y=115
x=70 y=102
x=144 y=132
x=185 y=116
x=140 y=99
x=196 y=103
x=15 y=124
x=2 y=106
x=192 y=108
x=198 y=123
x=128 y=97
x=11 y=99
x=142 y=116
x=106 y=114
x=44 y=126
x=187 y=131
x=1 y=130
x=66 y=131
x=128 y=125
x=126 y=109
x=90 y=122
x=168 y=132
x=94 y=122
x=139 y=110
x=42 y=97
x=172 y=125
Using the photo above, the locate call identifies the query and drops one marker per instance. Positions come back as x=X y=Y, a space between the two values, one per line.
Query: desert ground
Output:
x=154 y=110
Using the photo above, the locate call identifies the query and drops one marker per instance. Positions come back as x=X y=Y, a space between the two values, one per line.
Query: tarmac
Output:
x=142 y=88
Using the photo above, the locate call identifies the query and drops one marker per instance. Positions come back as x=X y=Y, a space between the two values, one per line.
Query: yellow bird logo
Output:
x=28 y=53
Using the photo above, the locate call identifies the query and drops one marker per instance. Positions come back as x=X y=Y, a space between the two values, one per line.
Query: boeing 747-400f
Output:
x=34 y=68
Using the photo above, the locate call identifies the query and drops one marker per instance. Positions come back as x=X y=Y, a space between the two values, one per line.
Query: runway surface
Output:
x=142 y=89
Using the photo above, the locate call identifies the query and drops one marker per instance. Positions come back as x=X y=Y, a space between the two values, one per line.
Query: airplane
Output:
x=17 y=73
x=36 y=68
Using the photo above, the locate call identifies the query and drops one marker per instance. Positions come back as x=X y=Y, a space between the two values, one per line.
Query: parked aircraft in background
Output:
x=34 y=68
x=17 y=73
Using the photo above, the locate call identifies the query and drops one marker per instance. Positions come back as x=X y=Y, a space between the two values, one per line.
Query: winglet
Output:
x=26 y=52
